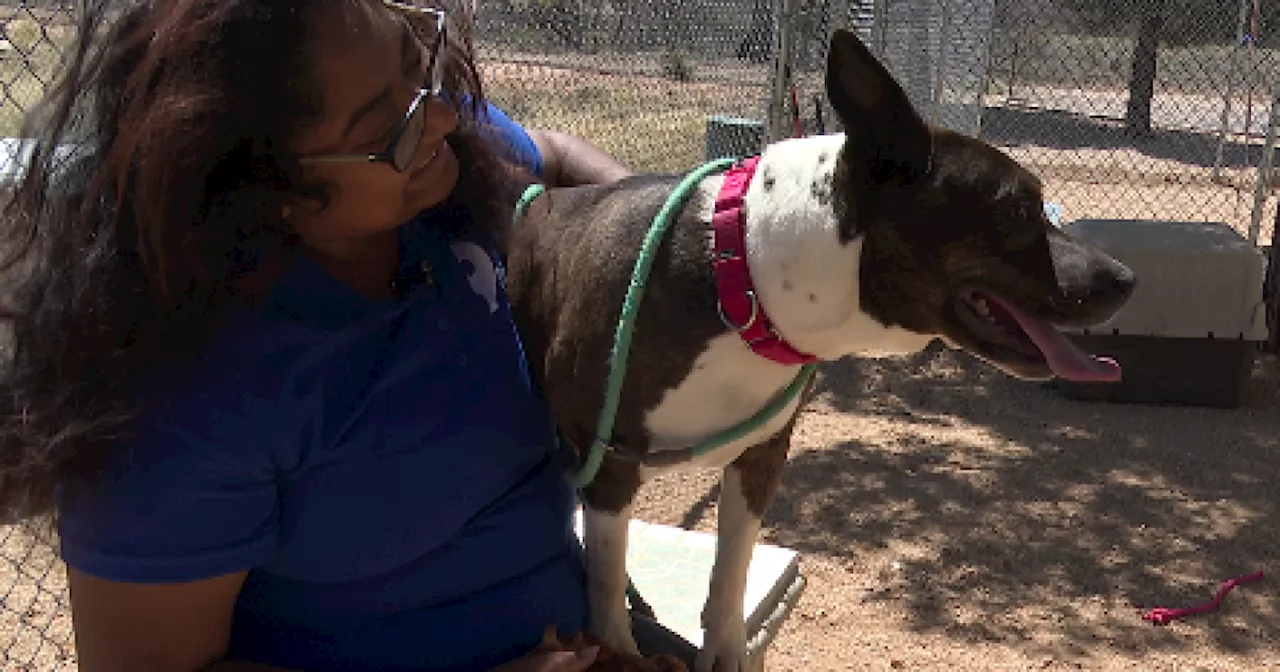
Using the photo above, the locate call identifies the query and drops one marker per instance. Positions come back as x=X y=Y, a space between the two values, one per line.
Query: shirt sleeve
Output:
x=188 y=497
x=511 y=141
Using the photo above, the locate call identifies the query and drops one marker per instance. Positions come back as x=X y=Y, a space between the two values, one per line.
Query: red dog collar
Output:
x=740 y=307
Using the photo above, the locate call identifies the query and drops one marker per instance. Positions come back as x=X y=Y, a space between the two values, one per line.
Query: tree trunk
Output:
x=1142 y=75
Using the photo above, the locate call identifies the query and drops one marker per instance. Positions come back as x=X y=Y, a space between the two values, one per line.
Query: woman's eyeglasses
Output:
x=428 y=25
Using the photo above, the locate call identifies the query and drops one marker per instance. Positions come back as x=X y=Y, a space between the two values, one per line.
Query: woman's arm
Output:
x=186 y=627
x=568 y=160
x=558 y=159
x=133 y=627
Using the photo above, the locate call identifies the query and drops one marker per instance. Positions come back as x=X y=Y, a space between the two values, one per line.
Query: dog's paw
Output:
x=724 y=651
x=616 y=633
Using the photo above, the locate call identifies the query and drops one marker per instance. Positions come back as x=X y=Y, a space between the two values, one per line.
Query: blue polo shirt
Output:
x=383 y=470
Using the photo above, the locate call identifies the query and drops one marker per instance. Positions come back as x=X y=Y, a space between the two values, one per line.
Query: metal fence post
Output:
x=777 y=123
x=939 y=73
x=1263 y=186
x=878 y=27
x=1231 y=90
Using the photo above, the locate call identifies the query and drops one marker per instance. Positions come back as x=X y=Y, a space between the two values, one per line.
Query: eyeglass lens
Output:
x=428 y=28
x=409 y=141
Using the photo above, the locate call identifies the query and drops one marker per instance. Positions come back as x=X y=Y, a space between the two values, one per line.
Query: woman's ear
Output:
x=302 y=203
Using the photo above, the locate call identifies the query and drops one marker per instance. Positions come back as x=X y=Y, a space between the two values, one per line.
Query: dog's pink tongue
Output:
x=1064 y=357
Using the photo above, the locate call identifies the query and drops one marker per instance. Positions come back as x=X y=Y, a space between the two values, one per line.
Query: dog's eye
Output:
x=1021 y=229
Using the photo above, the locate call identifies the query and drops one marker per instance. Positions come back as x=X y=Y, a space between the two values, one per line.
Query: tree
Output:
x=1143 y=68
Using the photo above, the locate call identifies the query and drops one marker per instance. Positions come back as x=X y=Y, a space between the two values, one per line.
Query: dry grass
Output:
x=650 y=123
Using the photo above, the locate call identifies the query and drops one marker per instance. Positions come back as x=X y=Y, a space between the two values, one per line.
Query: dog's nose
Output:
x=1118 y=281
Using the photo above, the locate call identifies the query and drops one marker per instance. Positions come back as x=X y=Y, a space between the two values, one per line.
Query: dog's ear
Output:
x=884 y=128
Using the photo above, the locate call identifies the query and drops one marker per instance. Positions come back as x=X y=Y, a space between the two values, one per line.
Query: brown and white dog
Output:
x=873 y=241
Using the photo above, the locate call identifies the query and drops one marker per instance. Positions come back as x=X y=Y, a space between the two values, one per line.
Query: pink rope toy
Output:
x=1162 y=615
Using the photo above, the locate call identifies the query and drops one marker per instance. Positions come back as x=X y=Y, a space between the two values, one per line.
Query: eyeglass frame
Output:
x=433 y=90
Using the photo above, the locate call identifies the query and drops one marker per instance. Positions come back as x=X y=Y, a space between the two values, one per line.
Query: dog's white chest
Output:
x=727 y=385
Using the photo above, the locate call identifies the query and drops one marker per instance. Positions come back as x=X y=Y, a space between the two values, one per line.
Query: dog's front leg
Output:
x=747 y=487
x=605 y=538
x=724 y=647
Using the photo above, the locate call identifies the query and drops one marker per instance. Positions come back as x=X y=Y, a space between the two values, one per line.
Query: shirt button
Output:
x=463 y=360
x=444 y=323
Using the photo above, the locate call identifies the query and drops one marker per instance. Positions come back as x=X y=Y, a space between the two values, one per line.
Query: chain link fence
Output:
x=35 y=618
x=1050 y=81
x=1148 y=108
x=1159 y=109
x=641 y=78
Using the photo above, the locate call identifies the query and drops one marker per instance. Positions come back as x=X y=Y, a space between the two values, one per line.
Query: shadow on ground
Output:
x=1027 y=506
x=1011 y=127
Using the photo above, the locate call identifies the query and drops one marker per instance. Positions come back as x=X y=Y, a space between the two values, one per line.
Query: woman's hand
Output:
x=553 y=661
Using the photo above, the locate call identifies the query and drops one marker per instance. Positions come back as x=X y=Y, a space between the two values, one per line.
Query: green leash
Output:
x=531 y=192
x=626 y=326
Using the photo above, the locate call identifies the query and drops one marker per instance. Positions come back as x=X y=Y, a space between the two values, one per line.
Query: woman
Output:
x=264 y=372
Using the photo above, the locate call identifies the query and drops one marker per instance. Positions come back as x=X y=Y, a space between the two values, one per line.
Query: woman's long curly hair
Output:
x=154 y=188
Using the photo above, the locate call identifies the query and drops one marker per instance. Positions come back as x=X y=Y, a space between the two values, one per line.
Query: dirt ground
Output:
x=952 y=518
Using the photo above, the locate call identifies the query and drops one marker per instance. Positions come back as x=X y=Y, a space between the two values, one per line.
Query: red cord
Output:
x=1162 y=615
